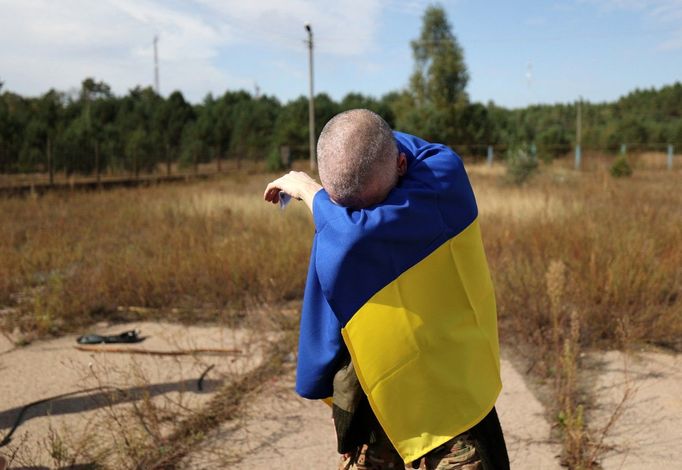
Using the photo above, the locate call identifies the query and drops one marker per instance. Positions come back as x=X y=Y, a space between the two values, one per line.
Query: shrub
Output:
x=621 y=167
x=521 y=164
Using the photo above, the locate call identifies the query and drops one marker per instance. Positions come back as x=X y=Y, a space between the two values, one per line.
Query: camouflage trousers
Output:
x=459 y=453
x=480 y=448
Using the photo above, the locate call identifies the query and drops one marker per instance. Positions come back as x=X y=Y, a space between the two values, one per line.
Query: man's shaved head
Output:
x=357 y=155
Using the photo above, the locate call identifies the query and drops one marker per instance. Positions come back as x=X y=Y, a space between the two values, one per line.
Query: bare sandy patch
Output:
x=168 y=384
x=648 y=431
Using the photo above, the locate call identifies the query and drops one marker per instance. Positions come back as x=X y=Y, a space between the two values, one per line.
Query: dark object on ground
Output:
x=131 y=336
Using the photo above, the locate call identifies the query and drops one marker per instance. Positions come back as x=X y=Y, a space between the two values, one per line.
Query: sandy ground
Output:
x=48 y=368
x=283 y=431
x=648 y=433
x=279 y=430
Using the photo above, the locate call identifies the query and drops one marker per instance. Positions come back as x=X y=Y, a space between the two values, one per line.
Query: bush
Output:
x=521 y=164
x=621 y=167
x=274 y=161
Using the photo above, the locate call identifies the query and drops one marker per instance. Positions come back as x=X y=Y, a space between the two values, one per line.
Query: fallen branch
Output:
x=154 y=352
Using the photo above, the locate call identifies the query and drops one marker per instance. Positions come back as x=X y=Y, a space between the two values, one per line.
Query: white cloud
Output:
x=665 y=14
x=342 y=27
x=57 y=44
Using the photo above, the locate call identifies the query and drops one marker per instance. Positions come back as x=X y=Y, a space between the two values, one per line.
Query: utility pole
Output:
x=156 y=65
x=578 y=131
x=311 y=99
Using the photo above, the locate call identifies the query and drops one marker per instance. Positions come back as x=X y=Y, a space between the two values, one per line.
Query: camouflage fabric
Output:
x=459 y=453
x=378 y=456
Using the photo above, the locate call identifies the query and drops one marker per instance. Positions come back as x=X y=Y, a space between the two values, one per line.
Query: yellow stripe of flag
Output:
x=425 y=347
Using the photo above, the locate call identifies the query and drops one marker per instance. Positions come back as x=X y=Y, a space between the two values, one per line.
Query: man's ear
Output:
x=402 y=164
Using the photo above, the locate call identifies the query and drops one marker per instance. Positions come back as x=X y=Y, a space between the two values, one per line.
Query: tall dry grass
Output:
x=620 y=242
x=66 y=260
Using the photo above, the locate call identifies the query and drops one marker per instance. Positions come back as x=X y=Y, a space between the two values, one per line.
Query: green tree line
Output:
x=94 y=130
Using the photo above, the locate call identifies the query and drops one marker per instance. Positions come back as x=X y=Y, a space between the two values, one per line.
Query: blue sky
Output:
x=517 y=52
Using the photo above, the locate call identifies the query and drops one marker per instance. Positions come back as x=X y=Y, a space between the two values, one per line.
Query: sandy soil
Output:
x=648 y=433
x=283 y=431
x=279 y=430
x=47 y=368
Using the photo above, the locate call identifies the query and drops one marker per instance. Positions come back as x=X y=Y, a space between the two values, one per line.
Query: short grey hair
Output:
x=353 y=151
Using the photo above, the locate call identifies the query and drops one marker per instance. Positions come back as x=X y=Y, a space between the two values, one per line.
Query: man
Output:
x=398 y=322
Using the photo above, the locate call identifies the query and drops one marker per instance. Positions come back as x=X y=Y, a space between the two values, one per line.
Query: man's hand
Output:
x=296 y=184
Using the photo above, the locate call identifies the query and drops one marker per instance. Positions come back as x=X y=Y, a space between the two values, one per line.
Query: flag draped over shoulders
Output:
x=404 y=286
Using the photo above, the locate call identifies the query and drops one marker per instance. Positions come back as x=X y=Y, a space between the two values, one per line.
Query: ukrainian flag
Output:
x=404 y=286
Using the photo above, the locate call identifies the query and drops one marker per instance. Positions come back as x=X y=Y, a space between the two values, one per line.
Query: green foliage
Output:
x=93 y=131
x=171 y=118
x=253 y=124
x=440 y=75
x=621 y=167
x=436 y=104
x=291 y=128
x=274 y=160
x=553 y=141
x=521 y=164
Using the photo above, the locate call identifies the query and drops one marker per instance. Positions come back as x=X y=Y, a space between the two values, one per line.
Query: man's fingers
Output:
x=294 y=183
x=272 y=190
x=272 y=193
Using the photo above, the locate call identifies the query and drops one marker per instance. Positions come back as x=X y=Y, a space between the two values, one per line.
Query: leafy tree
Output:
x=225 y=120
x=203 y=131
x=437 y=96
x=6 y=130
x=253 y=124
x=291 y=128
x=99 y=113
x=142 y=140
x=172 y=117
x=193 y=146
x=440 y=75
x=48 y=115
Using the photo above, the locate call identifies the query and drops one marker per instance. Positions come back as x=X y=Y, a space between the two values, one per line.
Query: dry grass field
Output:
x=206 y=248
x=578 y=260
x=619 y=242
x=213 y=247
